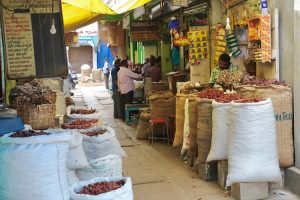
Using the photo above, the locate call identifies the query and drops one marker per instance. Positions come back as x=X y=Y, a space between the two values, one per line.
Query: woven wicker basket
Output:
x=38 y=116
x=51 y=97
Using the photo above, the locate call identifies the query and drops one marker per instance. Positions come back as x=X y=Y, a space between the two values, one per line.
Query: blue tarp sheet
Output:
x=103 y=51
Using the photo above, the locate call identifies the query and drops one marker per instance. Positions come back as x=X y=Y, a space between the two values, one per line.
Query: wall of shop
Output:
x=150 y=49
x=166 y=65
x=297 y=88
x=286 y=33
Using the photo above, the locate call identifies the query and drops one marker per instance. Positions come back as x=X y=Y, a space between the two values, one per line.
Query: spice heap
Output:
x=211 y=94
x=227 y=78
x=101 y=187
x=94 y=133
x=28 y=133
x=32 y=93
x=227 y=98
x=79 y=124
x=83 y=111
x=250 y=100
x=263 y=82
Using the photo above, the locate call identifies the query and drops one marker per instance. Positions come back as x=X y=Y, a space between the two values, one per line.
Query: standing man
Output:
x=106 y=73
x=146 y=67
x=224 y=64
x=116 y=93
x=126 y=85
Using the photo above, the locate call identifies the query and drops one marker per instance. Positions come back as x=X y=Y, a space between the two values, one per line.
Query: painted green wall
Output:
x=166 y=65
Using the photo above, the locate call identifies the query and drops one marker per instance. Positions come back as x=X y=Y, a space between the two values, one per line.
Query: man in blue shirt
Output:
x=116 y=93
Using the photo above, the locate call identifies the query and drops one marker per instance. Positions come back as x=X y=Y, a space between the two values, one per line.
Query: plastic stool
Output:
x=162 y=122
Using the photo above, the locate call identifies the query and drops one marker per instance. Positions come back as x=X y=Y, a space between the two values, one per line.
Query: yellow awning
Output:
x=78 y=13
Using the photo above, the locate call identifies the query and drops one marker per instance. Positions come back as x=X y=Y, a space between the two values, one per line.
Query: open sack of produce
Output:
x=204 y=125
x=81 y=124
x=282 y=98
x=81 y=113
x=252 y=152
x=108 y=188
x=33 y=166
x=35 y=104
x=108 y=166
x=100 y=142
x=220 y=126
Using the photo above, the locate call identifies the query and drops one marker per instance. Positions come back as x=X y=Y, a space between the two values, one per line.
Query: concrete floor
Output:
x=156 y=170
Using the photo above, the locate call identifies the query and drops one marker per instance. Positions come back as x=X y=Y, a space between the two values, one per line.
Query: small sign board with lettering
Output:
x=144 y=30
x=30 y=48
x=182 y=3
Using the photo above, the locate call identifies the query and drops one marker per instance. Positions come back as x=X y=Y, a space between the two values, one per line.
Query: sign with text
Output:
x=30 y=48
x=71 y=39
x=182 y=3
x=19 y=45
x=145 y=30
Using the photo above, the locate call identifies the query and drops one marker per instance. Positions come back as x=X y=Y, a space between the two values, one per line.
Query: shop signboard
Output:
x=33 y=39
x=231 y=3
x=182 y=3
x=71 y=39
x=145 y=30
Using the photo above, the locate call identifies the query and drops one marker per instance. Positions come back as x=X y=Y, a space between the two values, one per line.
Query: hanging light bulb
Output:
x=53 y=29
x=228 y=27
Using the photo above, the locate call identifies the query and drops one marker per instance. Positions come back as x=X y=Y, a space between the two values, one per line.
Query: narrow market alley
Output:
x=157 y=172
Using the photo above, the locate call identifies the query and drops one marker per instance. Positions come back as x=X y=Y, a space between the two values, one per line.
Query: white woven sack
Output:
x=108 y=166
x=220 y=131
x=72 y=177
x=123 y=193
x=34 y=167
x=252 y=153
x=102 y=145
x=76 y=158
x=95 y=115
x=186 y=129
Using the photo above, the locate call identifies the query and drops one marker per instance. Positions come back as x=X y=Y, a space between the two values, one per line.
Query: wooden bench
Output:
x=132 y=107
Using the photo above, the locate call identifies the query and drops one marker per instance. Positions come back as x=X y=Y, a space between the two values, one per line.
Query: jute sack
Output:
x=282 y=100
x=204 y=128
x=162 y=108
x=193 y=119
x=143 y=127
x=247 y=91
x=180 y=101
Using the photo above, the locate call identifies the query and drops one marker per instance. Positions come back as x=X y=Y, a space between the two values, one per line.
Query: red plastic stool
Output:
x=154 y=122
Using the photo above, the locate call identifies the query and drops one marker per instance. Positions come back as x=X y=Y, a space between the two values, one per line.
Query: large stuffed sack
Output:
x=180 y=101
x=252 y=152
x=282 y=100
x=123 y=193
x=101 y=145
x=142 y=130
x=72 y=177
x=220 y=131
x=204 y=129
x=34 y=167
x=76 y=158
x=108 y=166
x=162 y=108
x=246 y=91
x=193 y=120
x=186 y=129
